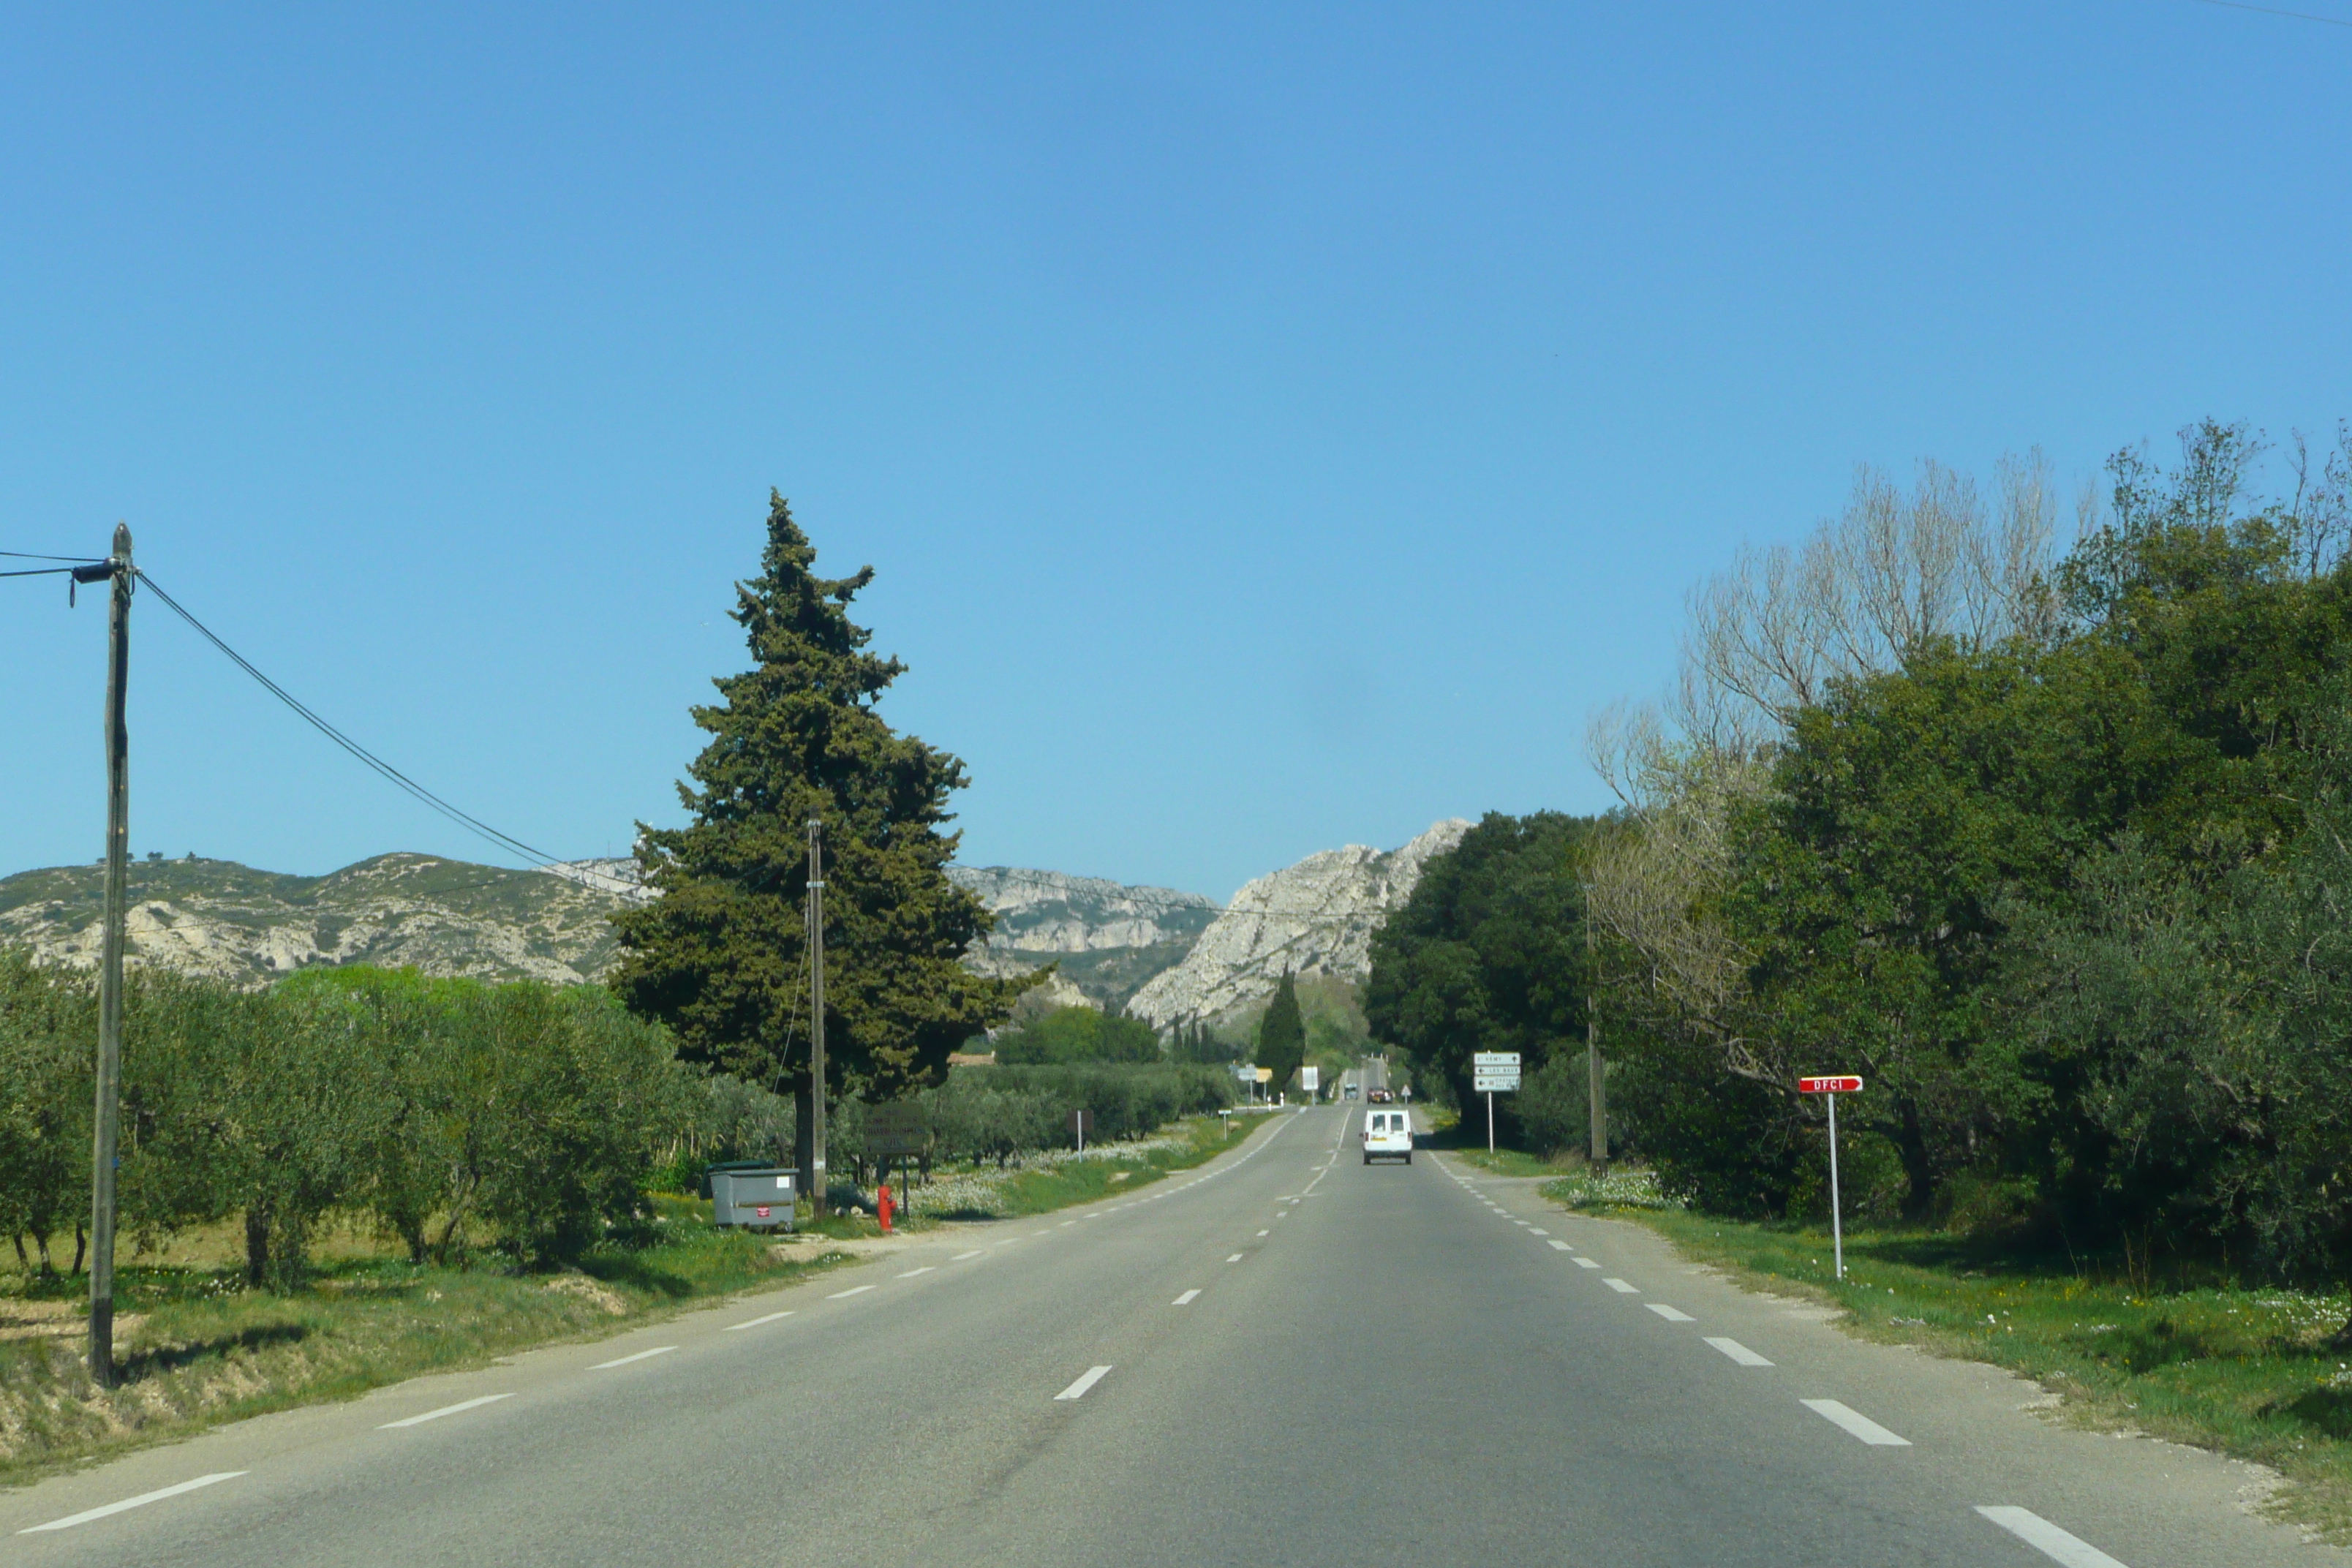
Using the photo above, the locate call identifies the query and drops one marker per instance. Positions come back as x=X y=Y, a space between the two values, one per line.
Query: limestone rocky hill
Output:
x=221 y=919
x=1315 y=917
x=1107 y=939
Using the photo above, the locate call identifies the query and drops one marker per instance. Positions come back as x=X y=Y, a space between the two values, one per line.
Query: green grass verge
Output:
x=2242 y=1372
x=1509 y=1161
x=1086 y=1181
x=198 y=1348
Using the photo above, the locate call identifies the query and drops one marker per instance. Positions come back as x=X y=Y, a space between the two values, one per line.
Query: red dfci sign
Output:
x=1829 y=1086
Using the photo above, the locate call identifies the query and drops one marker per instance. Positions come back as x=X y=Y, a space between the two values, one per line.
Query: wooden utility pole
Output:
x=110 y=974
x=816 y=1017
x=1599 y=1093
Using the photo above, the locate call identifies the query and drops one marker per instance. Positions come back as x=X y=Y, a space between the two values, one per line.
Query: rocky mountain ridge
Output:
x=1104 y=939
x=1167 y=956
x=1317 y=916
x=230 y=921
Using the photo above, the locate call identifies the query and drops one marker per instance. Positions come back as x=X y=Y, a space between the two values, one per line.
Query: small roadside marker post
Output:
x=1832 y=1088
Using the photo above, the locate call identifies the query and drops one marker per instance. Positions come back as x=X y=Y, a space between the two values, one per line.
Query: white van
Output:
x=1387 y=1133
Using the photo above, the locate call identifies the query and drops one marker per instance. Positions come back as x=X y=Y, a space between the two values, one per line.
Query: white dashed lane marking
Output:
x=1621 y=1287
x=754 y=1322
x=1854 y=1423
x=141 y=1500
x=1078 y=1389
x=926 y=1269
x=1736 y=1351
x=853 y=1290
x=645 y=1355
x=1237 y=1258
x=1586 y=1263
x=445 y=1410
x=1558 y=1245
x=1671 y=1315
x=960 y=1256
x=2058 y=1545
x=1186 y=1299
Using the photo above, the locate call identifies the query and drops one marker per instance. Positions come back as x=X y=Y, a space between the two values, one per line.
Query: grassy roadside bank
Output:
x=2242 y=1372
x=201 y=1349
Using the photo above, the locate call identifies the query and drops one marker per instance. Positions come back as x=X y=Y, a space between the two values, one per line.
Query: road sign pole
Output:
x=1837 y=1225
x=1490 y=1121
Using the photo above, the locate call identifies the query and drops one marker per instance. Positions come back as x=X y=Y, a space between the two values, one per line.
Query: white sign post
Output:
x=1832 y=1088
x=1490 y=1071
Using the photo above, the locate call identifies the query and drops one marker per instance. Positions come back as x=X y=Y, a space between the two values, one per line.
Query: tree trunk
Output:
x=256 y=1245
x=1919 y=1170
x=81 y=1244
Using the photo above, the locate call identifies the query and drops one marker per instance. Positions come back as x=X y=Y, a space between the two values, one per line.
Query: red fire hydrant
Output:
x=883 y=1206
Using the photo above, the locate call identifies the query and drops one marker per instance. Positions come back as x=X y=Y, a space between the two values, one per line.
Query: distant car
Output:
x=1387 y=1135
x=1381 y=1097
x=1351 y=1092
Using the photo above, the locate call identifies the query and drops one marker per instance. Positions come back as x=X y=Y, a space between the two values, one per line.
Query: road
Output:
x=1284 y=1357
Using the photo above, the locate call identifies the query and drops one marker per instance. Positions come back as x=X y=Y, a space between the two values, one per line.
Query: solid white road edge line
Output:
x=1671 y=1315
x=755 y=1322
x=445 y=1410
x=2046 y=1538
x=1077 y=1390
x=141 y=1500
x=853 y=1290
x=1736 y=1351
x=1621 y=1287
x=641 y=1355
x=1855 y=1423
x=1186 y=1299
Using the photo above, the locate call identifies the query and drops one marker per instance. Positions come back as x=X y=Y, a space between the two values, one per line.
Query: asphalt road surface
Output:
x=1286 y=1357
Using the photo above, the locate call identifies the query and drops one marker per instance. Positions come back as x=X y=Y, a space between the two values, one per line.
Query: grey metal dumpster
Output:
x=761 y=1199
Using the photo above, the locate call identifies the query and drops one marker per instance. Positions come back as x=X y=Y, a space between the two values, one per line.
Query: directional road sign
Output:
x=1495 y=1072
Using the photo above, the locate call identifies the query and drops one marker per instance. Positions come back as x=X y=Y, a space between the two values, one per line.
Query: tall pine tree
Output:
x=721 y=955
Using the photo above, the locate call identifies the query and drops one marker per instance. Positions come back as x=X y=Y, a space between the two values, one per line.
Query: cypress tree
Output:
x=1282 y=1036
x=721 y=955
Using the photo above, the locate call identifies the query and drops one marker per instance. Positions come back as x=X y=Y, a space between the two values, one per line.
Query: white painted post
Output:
x=1837 y=1225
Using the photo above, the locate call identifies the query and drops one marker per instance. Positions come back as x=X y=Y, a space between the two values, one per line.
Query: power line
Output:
x=2274 y=11
x=76 y=559
x=539 y=859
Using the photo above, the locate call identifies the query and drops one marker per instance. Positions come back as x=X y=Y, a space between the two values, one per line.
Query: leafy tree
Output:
x=1487 y=954
x=1078 y=1033
x=721 y=957
x=1282 y=1036
x=48 y=1033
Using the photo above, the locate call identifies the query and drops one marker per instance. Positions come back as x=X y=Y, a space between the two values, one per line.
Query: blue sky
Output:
x=1273 y=426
